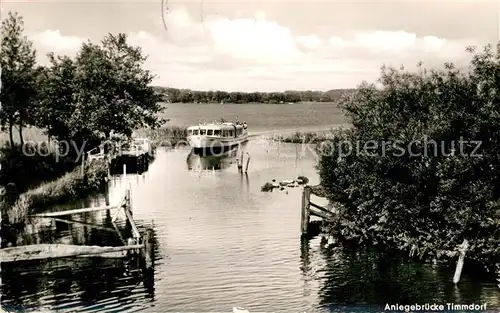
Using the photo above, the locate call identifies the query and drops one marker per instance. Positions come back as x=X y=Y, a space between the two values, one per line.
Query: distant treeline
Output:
x=173 y=95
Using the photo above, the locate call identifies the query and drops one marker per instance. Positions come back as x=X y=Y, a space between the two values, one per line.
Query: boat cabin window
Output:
x=190 y=132
x=210 y=132
x=217 y=132
x=231 y=133
x=195 y=132
x=203 y=132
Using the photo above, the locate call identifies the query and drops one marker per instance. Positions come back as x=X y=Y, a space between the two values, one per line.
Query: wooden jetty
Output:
x=54 y=251
x=312 y=209
x=240 y=158
x=136 y=156
x=310 y=229
x=141 y=244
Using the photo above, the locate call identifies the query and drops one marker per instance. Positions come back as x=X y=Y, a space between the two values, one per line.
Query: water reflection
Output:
x=73 y=285
x=196 y=162
x=368 y=279
x=225 y=244
x=90 y=284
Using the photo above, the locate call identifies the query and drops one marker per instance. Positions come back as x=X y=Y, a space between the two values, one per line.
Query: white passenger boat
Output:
x=214 y=138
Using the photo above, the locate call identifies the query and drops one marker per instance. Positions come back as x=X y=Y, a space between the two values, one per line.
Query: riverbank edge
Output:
x=72 y=185
x=444 y=257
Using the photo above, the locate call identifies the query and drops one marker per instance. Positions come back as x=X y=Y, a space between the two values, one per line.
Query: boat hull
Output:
x=204 y=145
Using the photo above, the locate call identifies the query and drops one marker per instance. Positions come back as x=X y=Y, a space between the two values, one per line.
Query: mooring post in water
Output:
x=305 y=216
x=106 y=196
x=248 y=162
x=108 y=163
x=324 y=232
x=83 y=164
x=240 y=162
x=460 y=263
x=279 y=144
x=148 y=241
x=124 y=174
x=128 y=196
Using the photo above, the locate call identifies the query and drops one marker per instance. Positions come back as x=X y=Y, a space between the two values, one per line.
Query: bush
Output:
x=70 y=186
x=28 y=171
x=427 y=203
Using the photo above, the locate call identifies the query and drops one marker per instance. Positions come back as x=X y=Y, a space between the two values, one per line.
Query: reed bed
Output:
x=304 y=137
x=168 y=136
x=69 y=186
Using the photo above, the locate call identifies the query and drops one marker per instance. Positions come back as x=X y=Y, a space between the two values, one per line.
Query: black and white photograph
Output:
x=250 y=156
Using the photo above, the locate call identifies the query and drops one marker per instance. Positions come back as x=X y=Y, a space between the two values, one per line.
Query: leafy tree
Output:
x=103 y=91
x=414 y=179
x=17 y=61
x=56 y=104
x=187 y=95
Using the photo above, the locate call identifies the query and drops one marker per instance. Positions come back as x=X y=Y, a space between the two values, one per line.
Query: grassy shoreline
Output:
x=52 y=186
x=69 y=186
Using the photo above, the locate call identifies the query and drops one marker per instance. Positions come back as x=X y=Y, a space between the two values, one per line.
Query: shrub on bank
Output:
x=26 y=171
x=69 y=186
x=423 y=185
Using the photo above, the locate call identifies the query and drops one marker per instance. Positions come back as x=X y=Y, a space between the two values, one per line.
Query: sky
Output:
x=268 y=45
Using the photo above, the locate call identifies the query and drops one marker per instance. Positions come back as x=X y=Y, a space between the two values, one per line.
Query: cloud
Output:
x=53 y=40
x=255 y=53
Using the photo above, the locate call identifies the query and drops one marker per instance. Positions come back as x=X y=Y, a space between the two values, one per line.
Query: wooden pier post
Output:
x=239 y=160
x=83 y=165
x=460 y=263
x=138 y=162
x=148 y=241
x=248 y=162
x=128 y=203
x=108 y=163
x=279 y=145
x=324 y=231
x=305 y=216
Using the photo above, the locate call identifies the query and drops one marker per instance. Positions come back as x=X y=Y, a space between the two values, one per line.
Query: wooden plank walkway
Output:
x=76 y=211
x=322 y=212
x=135 y=231
x=73 y=222
x=327 y=214
x=52 y=251
x=55 y=251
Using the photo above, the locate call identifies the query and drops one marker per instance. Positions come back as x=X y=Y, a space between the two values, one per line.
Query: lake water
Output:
x=260 y=117
x=224 y=243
